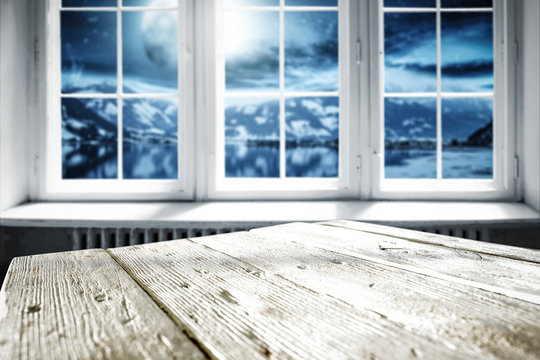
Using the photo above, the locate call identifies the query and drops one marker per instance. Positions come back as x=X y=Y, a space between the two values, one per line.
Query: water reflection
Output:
x=464 y=162
x=89 y=161
x=155 y=161
x=243 y=159
x=410 y=164
x=312 y=161
x=461 y=162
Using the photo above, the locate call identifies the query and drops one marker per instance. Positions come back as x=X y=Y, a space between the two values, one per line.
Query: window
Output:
x=120 y=120
x=281 y=101
x=440 y=86
x=278 y=99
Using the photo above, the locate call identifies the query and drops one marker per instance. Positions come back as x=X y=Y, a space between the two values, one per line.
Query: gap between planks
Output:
x=450 y=242
x=82 y=304
x=354 y=252
x=427 y=306
x=239 y=311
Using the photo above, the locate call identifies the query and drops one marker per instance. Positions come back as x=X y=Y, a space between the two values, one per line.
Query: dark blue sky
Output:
x=252 y=51
x=89 y=50
x=444 y=3
x=411 y=52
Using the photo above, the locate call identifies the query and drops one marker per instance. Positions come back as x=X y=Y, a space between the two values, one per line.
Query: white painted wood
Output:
x=501 y=275
x=238 y=311
x=445 y=313
x=510 y=252
x=16 y=101
x=156 y=214
x=82 y=305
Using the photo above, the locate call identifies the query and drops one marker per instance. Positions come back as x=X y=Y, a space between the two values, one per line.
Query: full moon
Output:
x=160 y=35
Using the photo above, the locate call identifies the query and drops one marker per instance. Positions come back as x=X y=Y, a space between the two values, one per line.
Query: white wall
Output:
x=530 y=55
x=15 y=64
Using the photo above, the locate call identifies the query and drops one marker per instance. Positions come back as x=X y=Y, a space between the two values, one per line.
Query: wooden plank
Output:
x=519 y=279
x=506 y=251
x=472 y=322
x=83 y=305
x=237 y=311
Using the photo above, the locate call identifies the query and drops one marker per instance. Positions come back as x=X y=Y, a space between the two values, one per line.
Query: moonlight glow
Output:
x=159 y=35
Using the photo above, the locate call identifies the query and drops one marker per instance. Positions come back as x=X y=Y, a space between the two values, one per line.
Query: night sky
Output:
x=150 y=49
x=252 y=51
x=411 y=52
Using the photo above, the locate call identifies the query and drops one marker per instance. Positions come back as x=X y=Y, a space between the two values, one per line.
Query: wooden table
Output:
x=334 y=290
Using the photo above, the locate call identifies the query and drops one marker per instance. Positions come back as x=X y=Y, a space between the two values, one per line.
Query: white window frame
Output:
x=221 y=187
x=361 y=145
x=53 y=187
x=502 y=185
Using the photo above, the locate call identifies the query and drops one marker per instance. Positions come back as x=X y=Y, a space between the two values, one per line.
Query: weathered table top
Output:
x=335 y=290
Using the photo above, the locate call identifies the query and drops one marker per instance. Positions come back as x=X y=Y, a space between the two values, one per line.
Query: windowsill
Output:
x=80 y=214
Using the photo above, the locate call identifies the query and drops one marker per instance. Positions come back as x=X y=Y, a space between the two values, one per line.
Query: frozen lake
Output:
x=457 y=163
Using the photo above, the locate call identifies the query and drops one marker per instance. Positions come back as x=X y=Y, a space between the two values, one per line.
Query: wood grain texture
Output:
x=83 y=305
x=519 y=279
x=510 y=252
x=238 y=311
x=474 y=323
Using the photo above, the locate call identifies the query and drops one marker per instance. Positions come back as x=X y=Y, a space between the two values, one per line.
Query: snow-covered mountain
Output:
x=465 y=121
x=307 y=120
x=89 y=120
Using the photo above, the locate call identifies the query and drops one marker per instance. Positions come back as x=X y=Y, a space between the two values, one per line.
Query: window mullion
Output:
x=439 y=100
x=119 y=90
x=282 y=147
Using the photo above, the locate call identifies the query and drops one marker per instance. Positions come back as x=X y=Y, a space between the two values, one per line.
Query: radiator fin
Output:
x=89 y=238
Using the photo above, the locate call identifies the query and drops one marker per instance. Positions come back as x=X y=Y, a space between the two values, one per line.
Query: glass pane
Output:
x=150 y=139
x=252 y=50
x=312 y=132
x=251 y=137
x=88 y=3
x=151 y=3
x=409 y=3
x=467 y=132
x=311 y=51
x=89 y=138
x=467 y=3
x=410 y=52
x=150 y=51
x=251 y=2
x=467 y=51
x=88 y=51
x=410 y=138
x=311 y=2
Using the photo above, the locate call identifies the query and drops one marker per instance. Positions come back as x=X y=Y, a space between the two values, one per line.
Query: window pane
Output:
x=467 y=3
x=150 y=51
x=410 y=47
x=311 y=51
x=152 y=3
x=467 y=131
x=311 y=2
x=88 y=52
x=252 y=137
x=409 y=3
x=252 y=50
x=410 y=138
x=150 y=139
x=251 y=2
x=312 y=133
x=89 y=138
x=88 y=3
x=467 y=51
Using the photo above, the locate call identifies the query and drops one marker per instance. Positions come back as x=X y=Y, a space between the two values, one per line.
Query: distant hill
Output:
x=307 y=120
x=87 y=120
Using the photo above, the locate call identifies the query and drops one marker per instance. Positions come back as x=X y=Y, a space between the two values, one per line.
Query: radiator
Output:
x=89 y=238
